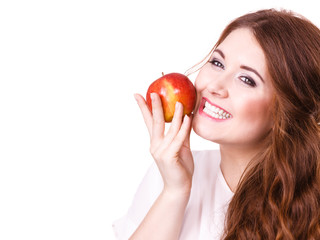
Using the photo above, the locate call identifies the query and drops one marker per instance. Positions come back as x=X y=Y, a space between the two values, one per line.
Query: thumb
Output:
x=147 y=115
x=187 y=139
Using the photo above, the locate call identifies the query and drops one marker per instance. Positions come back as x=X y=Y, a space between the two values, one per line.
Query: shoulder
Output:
x=146 y=194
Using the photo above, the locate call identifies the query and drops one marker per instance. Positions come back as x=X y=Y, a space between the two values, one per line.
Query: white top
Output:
x=205 y=212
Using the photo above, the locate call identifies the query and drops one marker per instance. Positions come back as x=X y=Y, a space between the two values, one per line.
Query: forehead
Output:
x=241 y=46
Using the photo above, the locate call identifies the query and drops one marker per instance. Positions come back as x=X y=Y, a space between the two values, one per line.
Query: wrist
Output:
x=179 y=195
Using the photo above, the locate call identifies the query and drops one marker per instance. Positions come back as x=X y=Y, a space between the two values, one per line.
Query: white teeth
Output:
x=215 y=111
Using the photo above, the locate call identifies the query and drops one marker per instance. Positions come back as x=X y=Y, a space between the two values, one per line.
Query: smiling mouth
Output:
x=213 y=111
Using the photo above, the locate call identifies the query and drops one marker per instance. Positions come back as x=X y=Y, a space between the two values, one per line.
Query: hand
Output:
x=170 y=151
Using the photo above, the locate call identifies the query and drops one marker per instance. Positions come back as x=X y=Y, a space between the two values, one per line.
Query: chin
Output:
x=202 y=131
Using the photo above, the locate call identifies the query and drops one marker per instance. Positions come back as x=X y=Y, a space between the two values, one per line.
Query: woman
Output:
x=258 y=98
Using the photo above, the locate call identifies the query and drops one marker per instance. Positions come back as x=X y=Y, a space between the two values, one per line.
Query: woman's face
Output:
x=234 y=93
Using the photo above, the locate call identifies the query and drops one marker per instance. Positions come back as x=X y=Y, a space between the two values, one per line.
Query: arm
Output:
x=164 y=219
x=173 y=157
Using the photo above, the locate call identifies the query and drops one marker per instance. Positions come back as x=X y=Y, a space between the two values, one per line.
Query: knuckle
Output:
x=155 y=154
x=152 y=150
x=157 y=121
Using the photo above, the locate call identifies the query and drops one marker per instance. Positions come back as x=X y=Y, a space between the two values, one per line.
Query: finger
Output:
x=182 y=135
x=187 y=140
x=147 y=116
x=158 y=123
x=175 y=124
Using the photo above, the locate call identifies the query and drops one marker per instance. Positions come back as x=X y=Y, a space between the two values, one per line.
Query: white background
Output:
x=73 y=145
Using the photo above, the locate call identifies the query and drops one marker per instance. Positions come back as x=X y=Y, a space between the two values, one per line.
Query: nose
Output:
x=219 y=87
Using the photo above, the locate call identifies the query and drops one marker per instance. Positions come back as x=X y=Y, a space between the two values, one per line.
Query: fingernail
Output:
x=152 y=96
x=178 y=105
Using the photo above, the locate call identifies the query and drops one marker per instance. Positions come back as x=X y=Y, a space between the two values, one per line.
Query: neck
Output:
x=234 y=162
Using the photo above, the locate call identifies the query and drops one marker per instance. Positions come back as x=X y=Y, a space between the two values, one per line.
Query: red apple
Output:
x=173 y=87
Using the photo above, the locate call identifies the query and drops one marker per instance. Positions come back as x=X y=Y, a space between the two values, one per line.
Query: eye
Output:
x=248 y=81
x=217 y=63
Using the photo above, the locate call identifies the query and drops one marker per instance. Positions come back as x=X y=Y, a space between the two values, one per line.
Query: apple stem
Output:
x=162 y=74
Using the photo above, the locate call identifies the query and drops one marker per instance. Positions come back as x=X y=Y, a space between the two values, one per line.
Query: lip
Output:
x=202 y=113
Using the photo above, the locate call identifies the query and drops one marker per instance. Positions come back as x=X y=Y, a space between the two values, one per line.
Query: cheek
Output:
x=257 y=114
x=200 y=86
x=203 y=78
x=260 y=109
x=200 y=83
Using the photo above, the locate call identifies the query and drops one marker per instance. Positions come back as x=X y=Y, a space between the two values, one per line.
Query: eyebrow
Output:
x=242 y=66
x=252 y=70
x=220 y=52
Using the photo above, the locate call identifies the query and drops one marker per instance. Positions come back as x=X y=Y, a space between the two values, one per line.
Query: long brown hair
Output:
x=278 y=196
